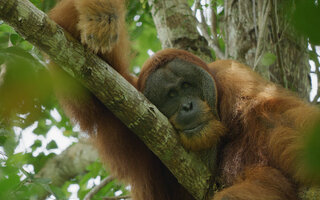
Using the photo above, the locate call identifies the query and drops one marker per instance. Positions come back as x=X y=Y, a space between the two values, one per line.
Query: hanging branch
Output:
x=196 y=7
x=212 y=41
x=214 y=20
x=276 y=40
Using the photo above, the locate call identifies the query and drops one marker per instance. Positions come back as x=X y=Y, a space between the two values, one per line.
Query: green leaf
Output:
x=4 y=40
x=52 y=145
x=3 y=138
x=17 y=160
x=36 y=144
x=190 y=2
x=312 y=149
x=306 y=19
x=47 y=5
x=37 y=3
x=268 y=59
x=9 y=145
x=42 y=180
x=25 y=45
x=9 y=180
x=6 y=28
x=95 y=168
x=15 y=39
x=18 y=52
x=58 y=192
x=39 y=161
x=42 y=128
x=2 y=59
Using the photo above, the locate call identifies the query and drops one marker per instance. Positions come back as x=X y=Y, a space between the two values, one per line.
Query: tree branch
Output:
x=96 y=189
x=214 y=16
x=116 y=198
x=212 y=42
x=68 y=164
x=130 y=106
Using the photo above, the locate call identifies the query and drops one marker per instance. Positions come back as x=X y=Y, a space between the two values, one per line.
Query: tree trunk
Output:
x=177 y=27
x=254 y=29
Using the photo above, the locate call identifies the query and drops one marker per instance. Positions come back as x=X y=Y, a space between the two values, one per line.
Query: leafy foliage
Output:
x=142 y=32
x=313 y=152
x=268 y=59
x=306 y=19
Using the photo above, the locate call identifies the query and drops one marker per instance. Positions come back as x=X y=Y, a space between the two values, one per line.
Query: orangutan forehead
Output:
x=172 y=71
x=177 y=69
x=187 y=70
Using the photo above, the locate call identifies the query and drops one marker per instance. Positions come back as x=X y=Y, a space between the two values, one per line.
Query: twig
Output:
x=96 y=189
x=276 y=16
x=226 y=19
x=265 y=11
x=212 y=42
x=196 y=7
x=275 y=36
x=315 y=100
x=116 y=198
x=240 y=9
x=254 y=18
x=214 y=20
x=317 y=64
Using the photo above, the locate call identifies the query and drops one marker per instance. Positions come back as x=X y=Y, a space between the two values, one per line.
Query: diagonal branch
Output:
x=111 y=89
x=96 y=189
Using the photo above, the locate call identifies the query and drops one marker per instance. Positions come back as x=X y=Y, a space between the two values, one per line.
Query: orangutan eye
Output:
x=185 y=85
x=172 y=93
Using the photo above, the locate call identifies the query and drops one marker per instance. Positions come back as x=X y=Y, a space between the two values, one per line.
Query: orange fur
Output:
x=267 y=124
x=260 y=183
x=126 y=156
x=85 y=18
x=266 y=128
x=208 y=137
x=260 y=153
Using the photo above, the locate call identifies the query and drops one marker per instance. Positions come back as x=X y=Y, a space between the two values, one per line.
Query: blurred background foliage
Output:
x=28 y=106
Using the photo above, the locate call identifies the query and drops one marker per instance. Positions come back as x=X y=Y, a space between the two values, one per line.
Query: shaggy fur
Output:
x=126 y=156
x=260 y=153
